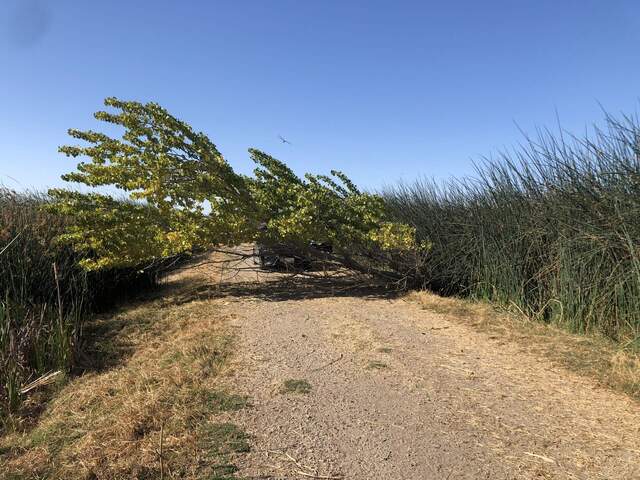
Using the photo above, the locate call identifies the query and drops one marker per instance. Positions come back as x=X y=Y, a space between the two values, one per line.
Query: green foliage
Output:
x=171 y=175
x=182 y=195
x=552 y=228
x=321 y=208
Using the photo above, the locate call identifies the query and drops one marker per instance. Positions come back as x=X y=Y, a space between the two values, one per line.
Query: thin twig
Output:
x=161 y=451
x=328 y=364
x=312 y=475
x=60 y=316
x=9 y=244
x=45 y=379
x=296 y=462
x=541 y=457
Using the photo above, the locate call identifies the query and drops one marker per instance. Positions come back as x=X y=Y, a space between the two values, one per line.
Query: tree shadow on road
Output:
x=280 y=288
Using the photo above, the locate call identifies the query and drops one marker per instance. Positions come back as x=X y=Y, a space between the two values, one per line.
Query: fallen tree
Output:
x=176 y=194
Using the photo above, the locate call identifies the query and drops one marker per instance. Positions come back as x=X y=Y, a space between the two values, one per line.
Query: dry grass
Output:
x=614 y=365
x=161 y=383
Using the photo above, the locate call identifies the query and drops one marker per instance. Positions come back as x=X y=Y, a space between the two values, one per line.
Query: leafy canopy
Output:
x=177 y=193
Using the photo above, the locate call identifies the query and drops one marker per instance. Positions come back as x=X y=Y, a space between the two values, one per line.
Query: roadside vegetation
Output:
x=550 y=230
x=154 y=405
x=46 y=297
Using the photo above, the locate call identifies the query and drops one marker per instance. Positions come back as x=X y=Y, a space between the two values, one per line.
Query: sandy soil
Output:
x=398 y=392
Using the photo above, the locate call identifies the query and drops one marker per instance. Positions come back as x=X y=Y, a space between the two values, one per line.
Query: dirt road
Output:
x=402 y=393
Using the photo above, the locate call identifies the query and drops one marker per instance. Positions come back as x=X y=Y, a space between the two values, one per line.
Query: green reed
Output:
x=552 y=228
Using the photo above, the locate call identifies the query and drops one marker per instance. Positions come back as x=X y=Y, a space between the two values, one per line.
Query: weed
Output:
x=376 y=365
x=224 y=438
x=223 y=472
x=219 y=401
x=295 y=386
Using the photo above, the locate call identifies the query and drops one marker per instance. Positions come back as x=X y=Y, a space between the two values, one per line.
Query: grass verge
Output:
x=155 y=384
x=611 y=364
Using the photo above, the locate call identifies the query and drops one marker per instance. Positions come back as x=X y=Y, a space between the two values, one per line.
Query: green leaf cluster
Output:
x=178 y=194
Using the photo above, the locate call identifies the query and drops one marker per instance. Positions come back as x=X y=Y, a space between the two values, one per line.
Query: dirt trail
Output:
x=402 y=393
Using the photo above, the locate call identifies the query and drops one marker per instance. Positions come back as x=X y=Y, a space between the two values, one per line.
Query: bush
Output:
x=552 y=227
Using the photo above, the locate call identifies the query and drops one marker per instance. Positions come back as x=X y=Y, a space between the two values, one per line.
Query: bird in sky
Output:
x=284 y=140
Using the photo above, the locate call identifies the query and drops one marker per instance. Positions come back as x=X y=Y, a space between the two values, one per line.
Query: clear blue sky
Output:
x=380 y=89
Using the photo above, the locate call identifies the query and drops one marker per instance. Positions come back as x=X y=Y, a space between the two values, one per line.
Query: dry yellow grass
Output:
x=590 y=355
x=162 y=383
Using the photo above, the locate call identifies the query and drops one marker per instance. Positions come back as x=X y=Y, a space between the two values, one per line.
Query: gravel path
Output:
x=402 y=393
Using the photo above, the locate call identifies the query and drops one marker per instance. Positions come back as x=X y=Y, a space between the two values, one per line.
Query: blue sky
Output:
x=380 y=89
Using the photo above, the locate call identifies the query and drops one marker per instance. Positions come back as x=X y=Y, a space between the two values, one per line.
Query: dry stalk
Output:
x=313 y=474
x=57 y=280
x=161 y=451
x=46 y=379
x=328 y=364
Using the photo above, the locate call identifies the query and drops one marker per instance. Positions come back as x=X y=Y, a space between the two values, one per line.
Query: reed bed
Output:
x=44 y=296
x=551 y=228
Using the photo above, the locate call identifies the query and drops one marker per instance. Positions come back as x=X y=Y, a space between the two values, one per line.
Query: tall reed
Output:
x=552 y=227
x=44 y=295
